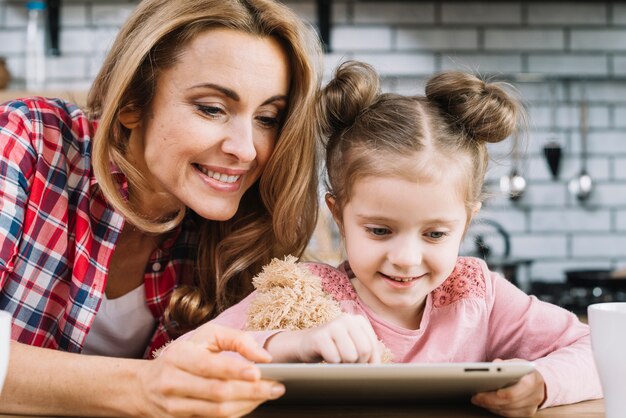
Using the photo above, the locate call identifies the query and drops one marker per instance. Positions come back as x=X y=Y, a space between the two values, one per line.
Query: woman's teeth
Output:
x=224 y=178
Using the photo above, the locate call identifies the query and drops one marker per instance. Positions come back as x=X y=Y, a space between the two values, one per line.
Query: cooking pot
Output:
x=595 y=278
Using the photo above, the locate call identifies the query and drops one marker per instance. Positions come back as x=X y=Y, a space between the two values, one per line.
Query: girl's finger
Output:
x=346 y=347
x=366 y=343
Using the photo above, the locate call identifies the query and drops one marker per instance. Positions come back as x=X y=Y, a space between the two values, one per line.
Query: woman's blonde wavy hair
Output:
x=277 y=215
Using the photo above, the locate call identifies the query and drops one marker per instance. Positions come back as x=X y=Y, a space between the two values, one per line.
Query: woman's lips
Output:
x=221 y=181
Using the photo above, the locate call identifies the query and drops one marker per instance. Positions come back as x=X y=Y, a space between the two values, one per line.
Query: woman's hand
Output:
x=191 y=378
x=522 y=399
x=346 y=339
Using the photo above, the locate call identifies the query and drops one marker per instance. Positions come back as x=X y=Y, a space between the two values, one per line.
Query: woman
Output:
x=115 y=239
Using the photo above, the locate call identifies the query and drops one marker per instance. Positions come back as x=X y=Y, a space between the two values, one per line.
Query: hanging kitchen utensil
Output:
x=552 y=149
x=514 y=184
x=582 y=185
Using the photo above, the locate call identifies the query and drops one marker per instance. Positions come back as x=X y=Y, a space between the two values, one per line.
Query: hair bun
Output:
x=484 y=111
x=354 y=87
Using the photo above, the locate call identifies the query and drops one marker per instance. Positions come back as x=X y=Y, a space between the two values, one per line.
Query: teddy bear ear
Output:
x=278 y=273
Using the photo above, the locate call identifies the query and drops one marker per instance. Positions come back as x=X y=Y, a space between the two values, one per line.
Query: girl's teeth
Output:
x=224 y=178
x=401 y=279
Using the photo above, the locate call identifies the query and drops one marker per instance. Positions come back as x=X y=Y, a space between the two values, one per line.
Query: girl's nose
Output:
x=406 y=253
x=239 y=141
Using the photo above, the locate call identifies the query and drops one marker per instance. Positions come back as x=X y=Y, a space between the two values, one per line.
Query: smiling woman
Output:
x=148 y=213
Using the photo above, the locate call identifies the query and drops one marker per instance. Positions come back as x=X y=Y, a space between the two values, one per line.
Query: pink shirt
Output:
x=475 y=315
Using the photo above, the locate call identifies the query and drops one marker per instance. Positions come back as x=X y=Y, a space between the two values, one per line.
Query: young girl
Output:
x=405 y=176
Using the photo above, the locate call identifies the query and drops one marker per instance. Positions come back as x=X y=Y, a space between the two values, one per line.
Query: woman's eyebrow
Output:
x=231 y=94
x=224 y=90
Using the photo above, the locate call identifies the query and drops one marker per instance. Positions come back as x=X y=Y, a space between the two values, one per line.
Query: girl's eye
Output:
x=212 y=111
x=436 y=234
x=379 y=232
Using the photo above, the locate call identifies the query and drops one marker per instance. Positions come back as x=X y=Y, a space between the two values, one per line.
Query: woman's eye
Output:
x=379 y=232
x=213 y=111
x=268 y=121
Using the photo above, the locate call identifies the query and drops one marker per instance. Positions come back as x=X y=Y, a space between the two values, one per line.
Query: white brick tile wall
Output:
x=409 y=86
x=620 y=220
x=570 y=64
x=307 y=11
x=512 y=222
x=397 y=12
x=469 y=13
x=610 y=195
x=572 y=220
x=569 y=116
x=361 y=39
x=12 y=42
x=598 y=40
x=73 y=15
x=483 y=63
x=15 y=15
x=599 y=245
x=400 y=64
x=66 y=67
x=76 y=40
x=590 y=13
x=409 y=40
x=619 y=65
x=339 y=12
x=619 y=14
x=110 y=14
x=437 y=39
x=525 y=39
x=538 y=246
x=619 y=168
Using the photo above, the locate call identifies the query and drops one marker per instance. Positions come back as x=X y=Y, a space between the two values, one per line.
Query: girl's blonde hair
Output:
x=368 y=132
x=277 y=215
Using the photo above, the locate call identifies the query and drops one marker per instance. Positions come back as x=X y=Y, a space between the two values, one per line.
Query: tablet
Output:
x=392 y=382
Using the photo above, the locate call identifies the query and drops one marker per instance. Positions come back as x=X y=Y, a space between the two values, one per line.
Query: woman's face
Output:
x=212 y=124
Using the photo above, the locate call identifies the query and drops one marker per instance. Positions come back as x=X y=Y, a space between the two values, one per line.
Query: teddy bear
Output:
x=290 y=297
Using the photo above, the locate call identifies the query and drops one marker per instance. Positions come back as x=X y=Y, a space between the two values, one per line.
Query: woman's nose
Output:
x=239 y=141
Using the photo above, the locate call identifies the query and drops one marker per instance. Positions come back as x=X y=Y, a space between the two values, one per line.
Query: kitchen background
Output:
x=554 y=53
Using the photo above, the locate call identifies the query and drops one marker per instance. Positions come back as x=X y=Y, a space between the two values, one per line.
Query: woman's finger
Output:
x=183 y=407
x=217 y=338
x=181 y=384
x=196 y=360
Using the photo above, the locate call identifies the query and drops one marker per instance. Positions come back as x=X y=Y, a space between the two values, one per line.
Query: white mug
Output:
x=608 y=342
x=5 y=338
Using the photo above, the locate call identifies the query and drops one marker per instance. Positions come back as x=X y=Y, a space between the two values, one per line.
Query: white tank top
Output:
x=122 y=328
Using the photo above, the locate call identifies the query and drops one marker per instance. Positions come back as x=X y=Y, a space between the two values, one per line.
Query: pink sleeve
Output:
x=522 y=326
x=236 y=317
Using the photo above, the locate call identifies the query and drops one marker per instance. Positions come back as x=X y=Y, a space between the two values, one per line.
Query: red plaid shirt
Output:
x=57 y=232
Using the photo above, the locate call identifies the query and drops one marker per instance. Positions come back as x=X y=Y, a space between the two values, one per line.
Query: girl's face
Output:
x=402 y=240
x=212 y=124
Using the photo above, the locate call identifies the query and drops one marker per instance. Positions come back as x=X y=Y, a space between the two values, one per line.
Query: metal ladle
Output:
x=582 y=186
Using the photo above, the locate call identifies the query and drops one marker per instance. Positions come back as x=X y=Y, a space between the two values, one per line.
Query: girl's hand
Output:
x=346 y=339
x=191 y=378
x=522 y=399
